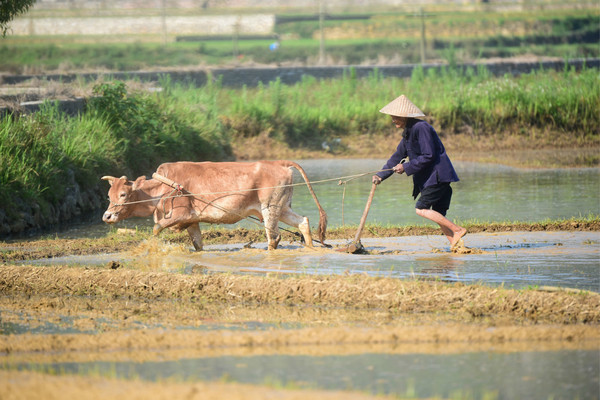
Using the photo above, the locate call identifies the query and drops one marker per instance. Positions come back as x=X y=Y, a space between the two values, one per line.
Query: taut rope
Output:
x=178 y=191
x=342 y=180
x=177 y=187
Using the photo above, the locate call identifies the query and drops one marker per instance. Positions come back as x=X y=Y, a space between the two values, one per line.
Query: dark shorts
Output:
x=436 y=197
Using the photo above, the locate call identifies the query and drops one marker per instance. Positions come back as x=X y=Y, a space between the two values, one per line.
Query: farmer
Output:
x=427 y=162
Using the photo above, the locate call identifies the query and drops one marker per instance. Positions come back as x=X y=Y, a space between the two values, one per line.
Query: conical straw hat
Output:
x=402 y=107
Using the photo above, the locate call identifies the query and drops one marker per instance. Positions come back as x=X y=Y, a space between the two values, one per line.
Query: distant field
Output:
x=451 y=35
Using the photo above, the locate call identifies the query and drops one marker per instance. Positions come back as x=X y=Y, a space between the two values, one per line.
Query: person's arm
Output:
x=395 y=159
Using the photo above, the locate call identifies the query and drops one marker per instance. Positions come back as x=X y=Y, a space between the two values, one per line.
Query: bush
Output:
x=151 y=130
x=45 y=153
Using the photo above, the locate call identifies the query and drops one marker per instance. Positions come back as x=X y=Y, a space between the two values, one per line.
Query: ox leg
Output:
x=158 y=228
x=292 y=219
x=196 y=236
x=271 y=228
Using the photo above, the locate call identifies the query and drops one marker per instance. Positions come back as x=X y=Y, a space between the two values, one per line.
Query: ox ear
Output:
x=138 y=182
x=110 y=179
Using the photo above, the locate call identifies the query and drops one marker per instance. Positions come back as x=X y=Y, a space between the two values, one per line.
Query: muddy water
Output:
x=488 y=374
x=514 y=259
x=518 y=259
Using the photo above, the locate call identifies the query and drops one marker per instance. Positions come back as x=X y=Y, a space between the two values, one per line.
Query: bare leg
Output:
x=452 y=231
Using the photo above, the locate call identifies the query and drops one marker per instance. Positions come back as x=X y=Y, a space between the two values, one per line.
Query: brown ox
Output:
x=219 y=193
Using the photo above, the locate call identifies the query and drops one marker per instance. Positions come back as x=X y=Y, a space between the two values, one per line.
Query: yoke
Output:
x=167 y=182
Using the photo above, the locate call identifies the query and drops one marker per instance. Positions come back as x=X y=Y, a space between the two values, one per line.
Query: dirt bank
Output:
x=179 y=315
x=537 y=150
x=152 y=344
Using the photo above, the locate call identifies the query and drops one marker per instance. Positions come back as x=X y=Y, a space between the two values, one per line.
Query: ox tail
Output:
x=322 y=214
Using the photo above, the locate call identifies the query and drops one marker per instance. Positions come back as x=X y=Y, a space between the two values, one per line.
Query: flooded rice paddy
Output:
x=559 y=374
x=516 y=316
x=512 y=259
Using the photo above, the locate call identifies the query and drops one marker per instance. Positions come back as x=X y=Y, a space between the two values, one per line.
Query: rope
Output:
x=179 y=190
x=250 y=218
x=340 y=180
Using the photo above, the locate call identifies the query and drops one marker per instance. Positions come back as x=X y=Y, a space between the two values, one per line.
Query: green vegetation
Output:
x=132 y=133
x=306 y=113
x=41 y=151
x=150 y=129
x=11 y=9
x=46 y=152
x=392 y=37
x=562 y=102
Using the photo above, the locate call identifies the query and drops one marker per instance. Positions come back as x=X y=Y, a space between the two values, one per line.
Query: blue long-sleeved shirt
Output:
x=427 y=162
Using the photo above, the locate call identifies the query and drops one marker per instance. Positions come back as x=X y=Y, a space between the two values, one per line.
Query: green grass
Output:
x=40 y=151
x=45 y=153
x=308 y=112
x=43 y=57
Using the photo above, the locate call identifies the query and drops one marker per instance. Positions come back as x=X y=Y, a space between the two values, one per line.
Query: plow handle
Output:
x=363 y=219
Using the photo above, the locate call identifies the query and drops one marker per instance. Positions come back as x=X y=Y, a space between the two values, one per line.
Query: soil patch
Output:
x=144 y=316
x=231 y=314
x=355 y=291
x=134 y=313
x=536 y=150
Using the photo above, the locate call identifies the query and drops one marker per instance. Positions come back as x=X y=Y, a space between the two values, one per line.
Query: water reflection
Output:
x=445 y=265
x=521 y=375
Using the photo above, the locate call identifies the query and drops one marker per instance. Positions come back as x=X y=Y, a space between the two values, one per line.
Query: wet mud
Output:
x=124 y=239
x=146 y=301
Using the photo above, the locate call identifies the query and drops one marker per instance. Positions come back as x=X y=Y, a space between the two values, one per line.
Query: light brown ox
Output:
x=219 y=193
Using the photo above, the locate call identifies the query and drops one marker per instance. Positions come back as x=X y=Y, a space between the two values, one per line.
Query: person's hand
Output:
x=399 y=169
x=376 y=180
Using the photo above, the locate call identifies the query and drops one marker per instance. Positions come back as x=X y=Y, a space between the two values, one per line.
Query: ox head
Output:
x=121 y=195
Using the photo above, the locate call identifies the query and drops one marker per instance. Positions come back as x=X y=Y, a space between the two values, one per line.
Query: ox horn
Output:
x=111 y=179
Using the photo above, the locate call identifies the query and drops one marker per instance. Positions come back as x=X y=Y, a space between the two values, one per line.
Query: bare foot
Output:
x=457 y=237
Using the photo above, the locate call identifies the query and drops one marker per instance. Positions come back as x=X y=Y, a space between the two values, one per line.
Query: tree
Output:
x=10 y=9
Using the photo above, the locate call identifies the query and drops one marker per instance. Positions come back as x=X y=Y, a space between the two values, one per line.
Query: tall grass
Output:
x=562 y=102
x=153 y=129
x=45 y=153
x=311 y=111
x=42 y=154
